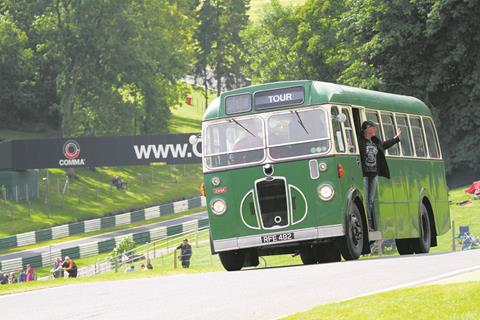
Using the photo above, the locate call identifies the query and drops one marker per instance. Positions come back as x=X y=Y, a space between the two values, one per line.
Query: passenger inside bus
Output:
x=249 y=145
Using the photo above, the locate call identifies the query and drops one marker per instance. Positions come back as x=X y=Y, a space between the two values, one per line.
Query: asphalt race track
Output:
x=249 y=294
x=104 y=236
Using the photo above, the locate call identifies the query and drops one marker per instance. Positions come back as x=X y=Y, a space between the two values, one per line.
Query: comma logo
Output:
x=71 y=150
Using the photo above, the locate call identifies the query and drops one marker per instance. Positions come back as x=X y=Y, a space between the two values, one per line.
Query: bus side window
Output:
x=337 y=131
x=373 y=116
x=418 y=138
x=432 y=142
x=389 y=129
x=406 y=139
x=349 y=132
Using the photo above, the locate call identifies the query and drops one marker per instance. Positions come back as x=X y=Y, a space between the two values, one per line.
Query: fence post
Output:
x=454 y=245
x=16 y=193
x=196 y=236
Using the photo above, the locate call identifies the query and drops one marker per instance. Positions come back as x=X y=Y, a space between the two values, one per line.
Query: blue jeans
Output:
x=370 y=184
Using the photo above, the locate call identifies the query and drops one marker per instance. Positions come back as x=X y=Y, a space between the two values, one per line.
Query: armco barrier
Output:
x=66 y=230
x=95 y=248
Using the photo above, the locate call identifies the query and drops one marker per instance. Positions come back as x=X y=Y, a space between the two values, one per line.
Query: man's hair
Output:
x=367 y=124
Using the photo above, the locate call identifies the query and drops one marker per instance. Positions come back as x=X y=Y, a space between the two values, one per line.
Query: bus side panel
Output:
x=385 y=208
x=441 y=209
x=399 y=171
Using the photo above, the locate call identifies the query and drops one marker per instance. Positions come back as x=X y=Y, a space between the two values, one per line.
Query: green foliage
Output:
x=126 y=245
x=109 y=67
x=220 y=51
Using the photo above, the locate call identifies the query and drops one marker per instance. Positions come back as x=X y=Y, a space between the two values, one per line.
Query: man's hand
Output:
x=399 y=133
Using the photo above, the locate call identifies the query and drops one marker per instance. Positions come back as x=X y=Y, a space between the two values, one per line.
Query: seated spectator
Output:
x=143 y=267
x=131 y=269
x=119 y=183
x=3 y=278
x=22 y=277
x=57 y=269
x=30 y=273
x=70 y=266
x=11 y=278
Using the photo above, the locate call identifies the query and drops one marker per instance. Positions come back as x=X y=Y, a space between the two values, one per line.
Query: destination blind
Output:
x=279 y=98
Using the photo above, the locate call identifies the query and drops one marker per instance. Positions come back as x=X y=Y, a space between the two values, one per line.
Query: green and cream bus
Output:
x=282 y=173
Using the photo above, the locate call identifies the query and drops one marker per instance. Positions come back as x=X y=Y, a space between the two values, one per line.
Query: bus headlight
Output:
x=219 y=206
x=325 y=192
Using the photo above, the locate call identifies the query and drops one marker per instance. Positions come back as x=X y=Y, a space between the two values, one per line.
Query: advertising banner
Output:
x=99 y=151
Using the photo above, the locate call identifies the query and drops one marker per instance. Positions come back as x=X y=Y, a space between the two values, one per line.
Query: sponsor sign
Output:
x=100 y=151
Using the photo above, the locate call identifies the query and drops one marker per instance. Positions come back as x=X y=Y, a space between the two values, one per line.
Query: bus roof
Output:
x=317 y=92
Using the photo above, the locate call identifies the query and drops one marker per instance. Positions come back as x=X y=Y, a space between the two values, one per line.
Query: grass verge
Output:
x=452 y=301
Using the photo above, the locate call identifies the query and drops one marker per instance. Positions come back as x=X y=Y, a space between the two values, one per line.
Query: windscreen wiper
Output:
x=301 y=122
x=238 y=123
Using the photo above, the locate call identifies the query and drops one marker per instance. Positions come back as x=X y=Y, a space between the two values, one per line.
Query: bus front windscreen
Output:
x=298 y=133
x=234 y=142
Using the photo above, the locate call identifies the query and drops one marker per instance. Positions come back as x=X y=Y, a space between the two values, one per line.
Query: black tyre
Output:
x=328 y=252
x=404 y=246
x=309 y=254
x=232 y=260
x=351 y=245
x=422 y=244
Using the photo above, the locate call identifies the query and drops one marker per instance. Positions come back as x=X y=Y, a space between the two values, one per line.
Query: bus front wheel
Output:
x=351 y=245
x=232 y=260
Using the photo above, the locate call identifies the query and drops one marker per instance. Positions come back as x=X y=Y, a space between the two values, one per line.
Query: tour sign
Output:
x=279 y=98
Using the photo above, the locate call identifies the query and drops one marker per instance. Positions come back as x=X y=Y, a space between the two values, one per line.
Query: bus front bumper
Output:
x=278 y=238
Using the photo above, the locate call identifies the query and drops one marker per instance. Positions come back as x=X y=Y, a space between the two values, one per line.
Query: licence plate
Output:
x=278 y=237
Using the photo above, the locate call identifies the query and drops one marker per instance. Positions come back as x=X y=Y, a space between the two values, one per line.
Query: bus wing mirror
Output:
x=194 y=139
x=341 y=117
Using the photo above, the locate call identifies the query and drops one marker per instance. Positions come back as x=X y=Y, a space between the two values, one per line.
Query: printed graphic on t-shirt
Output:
x=371 y=157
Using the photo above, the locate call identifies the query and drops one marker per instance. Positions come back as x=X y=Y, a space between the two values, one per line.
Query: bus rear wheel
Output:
x=422 y=244
x=232 y=260
x=351 y=245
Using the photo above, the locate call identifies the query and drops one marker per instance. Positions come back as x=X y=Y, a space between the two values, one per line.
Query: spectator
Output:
x=3 y=278
x=22 y=277
x=149 y=264
x=119 y=183
x=11 y=278
x=131 y=269
x=30 y=273
x=185 y=253
x=57 y=269
x=70 y=266
x=143 y=267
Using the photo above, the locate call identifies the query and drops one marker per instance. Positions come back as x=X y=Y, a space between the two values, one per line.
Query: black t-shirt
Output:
x=370 y=161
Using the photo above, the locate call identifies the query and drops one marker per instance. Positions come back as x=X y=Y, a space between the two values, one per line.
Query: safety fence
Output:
x=66 y=230
x=155 y=249
x=104 y=246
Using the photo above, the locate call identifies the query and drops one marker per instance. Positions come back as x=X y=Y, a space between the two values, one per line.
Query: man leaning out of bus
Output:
x=374 y=163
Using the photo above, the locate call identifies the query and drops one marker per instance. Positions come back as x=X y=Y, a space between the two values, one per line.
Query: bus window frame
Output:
x=413 y=139
x=227 y=120
x=349 y=114
x=270 y=114
x=392 y=114
x=333 y=133
x=437 y=142
x=413 y=156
